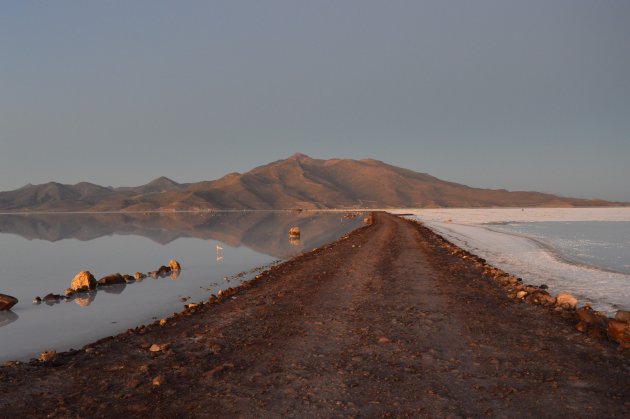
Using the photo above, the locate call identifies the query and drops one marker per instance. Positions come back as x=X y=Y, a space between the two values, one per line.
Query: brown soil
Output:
x=383 y=323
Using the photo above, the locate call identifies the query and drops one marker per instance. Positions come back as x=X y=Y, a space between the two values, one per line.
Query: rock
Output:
x=7 y=301
x=51 y=297
x=158 y=381
x=164 y=270
x=619 y=331
x=70 y=292
x=174 y=265
x=543 y=287
x=368 y=220
x=128 y=278
x=139 y=276
x=112 y=279
x=83 y=281
x=591 y=320
x=541 y=297
x=566 y=301
x=153 y=274
x=37 y=300
x=623 y=316
x=158 y=347
x=521 y=294
x=47 y=356
x=383 y=340
x=294 y=231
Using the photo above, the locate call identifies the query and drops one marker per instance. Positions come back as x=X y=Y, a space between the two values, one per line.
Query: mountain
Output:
x=161 y=184
x=296 y=182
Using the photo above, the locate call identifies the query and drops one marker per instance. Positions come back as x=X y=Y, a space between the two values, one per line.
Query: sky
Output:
x=521 y=95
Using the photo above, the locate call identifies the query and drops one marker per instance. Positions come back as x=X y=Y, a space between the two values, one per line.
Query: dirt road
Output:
x=383 y=323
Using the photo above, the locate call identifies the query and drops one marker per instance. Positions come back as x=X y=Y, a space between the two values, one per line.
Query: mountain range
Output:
x=296 y=182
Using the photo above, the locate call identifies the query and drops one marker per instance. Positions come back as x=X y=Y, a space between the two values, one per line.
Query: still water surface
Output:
x=40 y=254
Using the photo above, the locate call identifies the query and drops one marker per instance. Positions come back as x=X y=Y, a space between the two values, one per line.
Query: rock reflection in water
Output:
x=85 y=300
x=7 y=317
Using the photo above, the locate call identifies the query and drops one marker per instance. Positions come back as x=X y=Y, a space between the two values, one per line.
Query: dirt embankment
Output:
x=384 y=323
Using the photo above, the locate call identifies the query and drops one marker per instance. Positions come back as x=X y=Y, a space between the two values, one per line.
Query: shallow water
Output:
x=600 y=244
x=40 y=254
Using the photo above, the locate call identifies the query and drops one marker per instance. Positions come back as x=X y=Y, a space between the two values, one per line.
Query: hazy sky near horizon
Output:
x=522 y=95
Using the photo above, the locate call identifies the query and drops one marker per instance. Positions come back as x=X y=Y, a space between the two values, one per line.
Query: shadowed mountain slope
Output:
x=296 y=182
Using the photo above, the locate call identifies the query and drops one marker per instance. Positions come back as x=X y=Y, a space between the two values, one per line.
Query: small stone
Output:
x=383 y=340
x=37 y=300
x=294 y=232
x=139 y=276
x=164 y=270
x=162 y=322
x=566 y=301
x=543 y=287
x=129 y=279
x=51 y=297
x=158 y=347
x=158 y=381
x=47 y=356
x=70 y=292
x=174 y=265
x=521 y=294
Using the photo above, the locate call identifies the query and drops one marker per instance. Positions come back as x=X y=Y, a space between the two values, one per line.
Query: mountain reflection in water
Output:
x=263 y=231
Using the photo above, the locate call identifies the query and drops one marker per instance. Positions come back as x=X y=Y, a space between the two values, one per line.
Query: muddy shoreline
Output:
x=387 y=321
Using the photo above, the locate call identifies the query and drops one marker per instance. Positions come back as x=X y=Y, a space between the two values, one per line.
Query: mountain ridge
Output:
x=298 y=181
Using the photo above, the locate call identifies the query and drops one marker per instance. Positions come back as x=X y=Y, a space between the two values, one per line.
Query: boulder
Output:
x=174 y=265
x=7 y=301
x=591 y=320
x=566 y=301
x=619 y=331
x=112 y=279
x=294 y=231
x=83 y=281
x=623 y=316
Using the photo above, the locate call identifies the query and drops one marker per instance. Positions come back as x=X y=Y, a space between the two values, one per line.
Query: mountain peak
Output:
x=299 y=156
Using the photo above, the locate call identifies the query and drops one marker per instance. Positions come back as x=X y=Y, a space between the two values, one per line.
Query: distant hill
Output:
x=296 y=182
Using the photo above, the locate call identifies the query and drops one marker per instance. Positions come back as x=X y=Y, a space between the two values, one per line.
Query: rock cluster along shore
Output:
x=594 y=323
x=84 y=284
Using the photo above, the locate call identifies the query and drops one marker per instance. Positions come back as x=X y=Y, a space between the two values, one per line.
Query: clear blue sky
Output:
x=522 y=95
